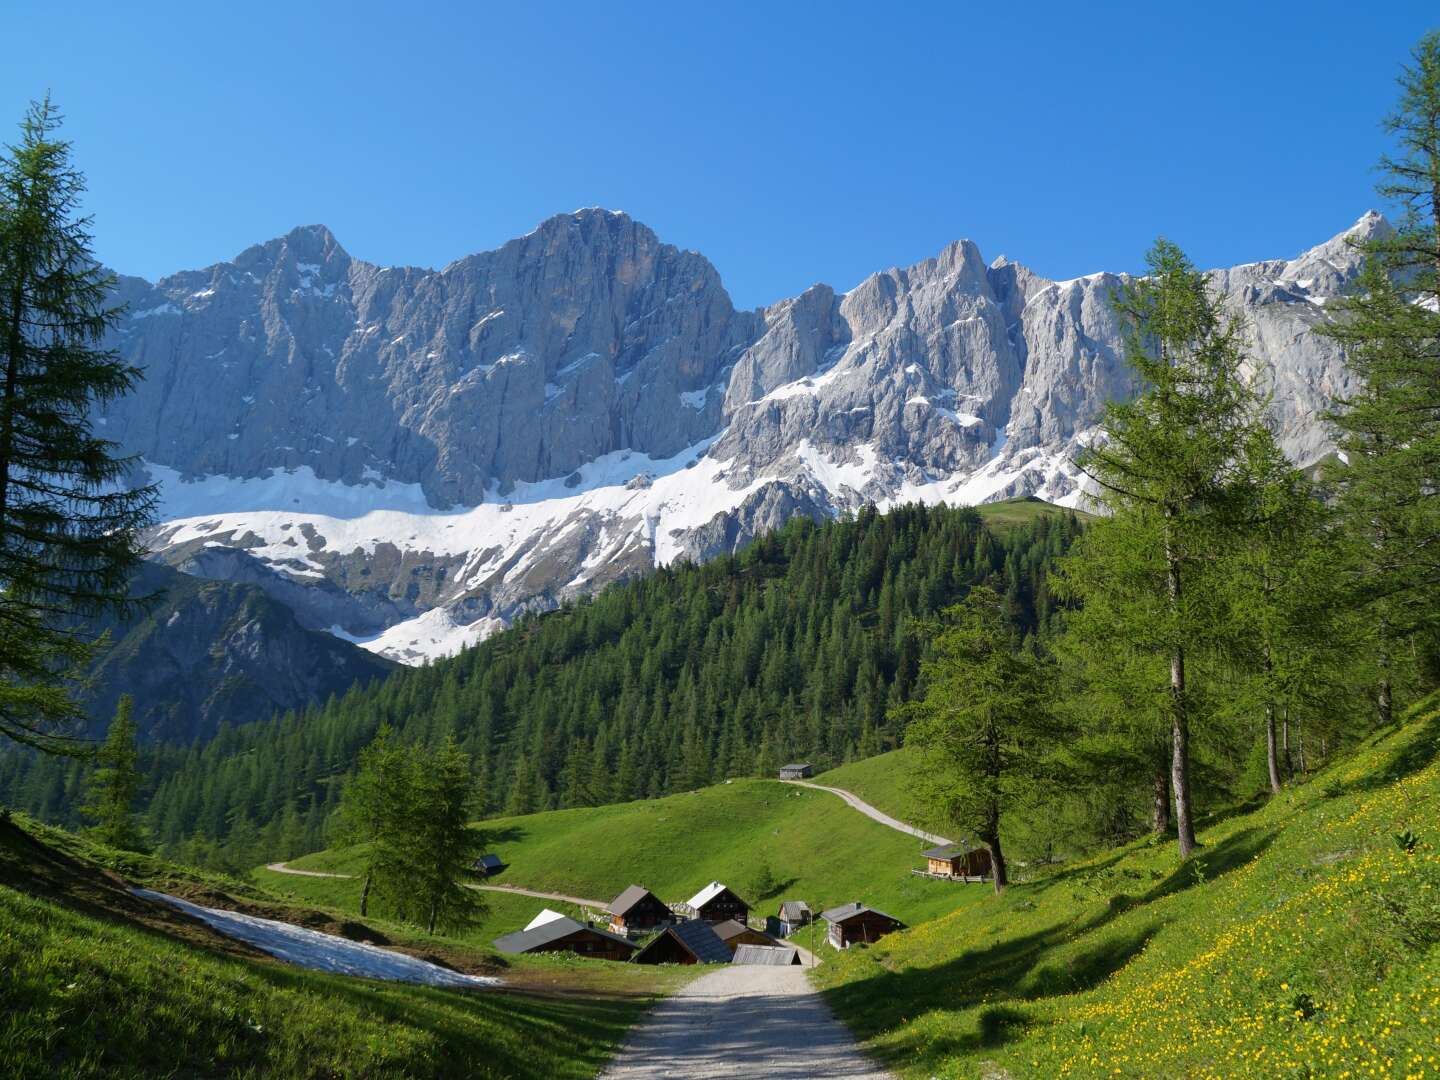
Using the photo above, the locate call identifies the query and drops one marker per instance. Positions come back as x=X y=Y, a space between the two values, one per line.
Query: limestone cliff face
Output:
x=412 y=456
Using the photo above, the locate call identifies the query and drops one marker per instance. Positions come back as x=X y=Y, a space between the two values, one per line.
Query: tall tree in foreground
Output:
x=1167 y=470
x=981 y=727
x=68 y=525
x=1389 y=430
x=115 y=783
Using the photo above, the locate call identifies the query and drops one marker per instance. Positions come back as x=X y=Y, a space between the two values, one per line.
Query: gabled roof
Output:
x=794 y=909
x=710 y=892
x=546 y=915
x=489 y=862
x=550 y=932
x=797 y=765
x=697 y=938
x=846 y=912
x=770 y=955
x=731 y=928
x=947 y=851
x=629 y=898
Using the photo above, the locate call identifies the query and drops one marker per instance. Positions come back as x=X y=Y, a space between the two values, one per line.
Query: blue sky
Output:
x=788 y=143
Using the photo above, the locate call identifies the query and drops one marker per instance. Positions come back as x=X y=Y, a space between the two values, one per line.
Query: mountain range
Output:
x=408 y=458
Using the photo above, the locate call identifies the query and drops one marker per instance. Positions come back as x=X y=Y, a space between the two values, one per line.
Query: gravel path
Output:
x=739 y=1023
x=871 y=812
x=281 y=868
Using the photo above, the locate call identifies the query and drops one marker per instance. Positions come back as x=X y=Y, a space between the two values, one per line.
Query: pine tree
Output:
x=116 y=782
x=68 y=524
x=443 y=847
x=1167 y=470
x=373 y=809
x=982 y=725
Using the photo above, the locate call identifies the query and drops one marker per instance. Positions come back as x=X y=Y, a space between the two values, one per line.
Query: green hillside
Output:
x=1012 y=513
x=1301 y=943
x=817 y=849
x=881 y=781
x=100 y=984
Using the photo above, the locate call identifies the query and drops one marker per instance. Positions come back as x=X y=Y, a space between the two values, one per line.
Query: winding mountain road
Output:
x=873 y=813
x=282 y=868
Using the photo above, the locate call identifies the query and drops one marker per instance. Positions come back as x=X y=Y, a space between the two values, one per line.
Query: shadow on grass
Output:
x=1413 y=754
x=1210 y=863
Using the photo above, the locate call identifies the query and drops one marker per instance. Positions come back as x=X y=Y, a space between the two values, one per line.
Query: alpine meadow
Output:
x=547 y=666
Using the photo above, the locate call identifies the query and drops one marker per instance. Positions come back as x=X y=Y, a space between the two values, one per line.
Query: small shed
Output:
x=964 y=862
x=716 y=903
x=488 y=865
x=735 y=934
x=793 y=915
x=566 y=935
x=637 y=908
x=852 y=923
x=770 y=955
x=691 y=942
x=799 y=770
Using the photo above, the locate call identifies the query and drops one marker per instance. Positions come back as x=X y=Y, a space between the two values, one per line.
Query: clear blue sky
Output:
x=790 y=143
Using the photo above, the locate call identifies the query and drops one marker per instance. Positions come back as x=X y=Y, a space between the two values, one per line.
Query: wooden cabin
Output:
x=690 y=942
x=716 y=903
x=799 y=770
x=565 y=934
x=793 y=915
x=770 y=955
x=734 y=934
x=855 y=923
x=962 y=862
x=487 y=865
x=638 y=909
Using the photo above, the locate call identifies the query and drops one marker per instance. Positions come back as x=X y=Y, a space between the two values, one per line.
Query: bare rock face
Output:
x=411 y=457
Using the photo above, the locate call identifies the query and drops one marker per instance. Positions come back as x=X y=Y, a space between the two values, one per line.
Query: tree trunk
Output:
x=1285 y=741
x=365 y=895
x=991 y=838
x=1272 y=750
x=1160 y=812
x=1179 y=727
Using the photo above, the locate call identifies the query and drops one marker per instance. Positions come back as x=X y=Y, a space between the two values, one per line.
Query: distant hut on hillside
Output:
x=691 y=942
x=637 y=908
x=564 y=934
x=793 y=915
x=735 y=934
x=799 y=770
x=962 y=862
x=770 y=955
x=852 y=923
x=716 y=902
x=488 y=865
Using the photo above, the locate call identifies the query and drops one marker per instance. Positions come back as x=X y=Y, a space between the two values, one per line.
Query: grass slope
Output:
x=881 y=781
x=99 y=983
x=1301 y=943
x=818 y=850
x=1013 y=513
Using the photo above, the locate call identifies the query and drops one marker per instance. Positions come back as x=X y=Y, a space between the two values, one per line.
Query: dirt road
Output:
x=871 y=812
x=739 y=1023
x=281 y=868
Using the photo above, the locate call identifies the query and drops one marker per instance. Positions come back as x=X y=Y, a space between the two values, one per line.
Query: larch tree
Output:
x=69 y=524
x=115 y=783
x=443 y=846
x=374 y=806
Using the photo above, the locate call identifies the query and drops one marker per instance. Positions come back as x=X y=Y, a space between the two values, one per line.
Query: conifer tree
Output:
x=68 y=524
x=116 y=782
x=373 y=810
x=443 y=847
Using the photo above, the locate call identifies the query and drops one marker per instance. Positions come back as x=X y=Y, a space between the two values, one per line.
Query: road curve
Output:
x=871 y=812
x=743 y=1022
x=282 y=868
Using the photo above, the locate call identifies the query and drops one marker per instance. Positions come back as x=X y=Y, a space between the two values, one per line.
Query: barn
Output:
x=855 y=923
x=716 y=903
x=799 y=770
x=770 y=955
x=963 y=862
x=691 y=942
x=564 y=934
x=735 y=934
x=637 y=908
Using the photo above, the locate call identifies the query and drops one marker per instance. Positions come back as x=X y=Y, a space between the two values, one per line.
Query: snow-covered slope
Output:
x=410 y=458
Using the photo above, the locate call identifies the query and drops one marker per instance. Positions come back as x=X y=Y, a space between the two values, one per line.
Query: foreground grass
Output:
x=97 y=983
x=818 y=850
x=1302 y=942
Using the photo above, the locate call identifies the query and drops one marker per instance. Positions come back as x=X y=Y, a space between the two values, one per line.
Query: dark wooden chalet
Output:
x=963 y=862
x=852 y=923
x=488 y=865
x=565 y=934
x=735 y=934
x=799 y=770
x=716 y=903
x=690 y=942
x=637 y=908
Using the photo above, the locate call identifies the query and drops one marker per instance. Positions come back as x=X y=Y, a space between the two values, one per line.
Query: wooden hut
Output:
x=961 y=862
x=799 y=770
x=792 y=916
x=735 y=934
x=716 y=903
x=637 y=908
x=690 y=942
x=565 y=934
x=770 y=955
x=488 y=865
x=852 y=923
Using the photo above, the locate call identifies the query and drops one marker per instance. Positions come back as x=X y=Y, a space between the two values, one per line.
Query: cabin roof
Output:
x=730 y=928
x=489 y=861
x=710 y=892
x=948 y=851
x=698 y=939
x=546 y=915
x=548 y=933
x=770 y=955
x=846 y=912
x=629 y=898
x=794 y=909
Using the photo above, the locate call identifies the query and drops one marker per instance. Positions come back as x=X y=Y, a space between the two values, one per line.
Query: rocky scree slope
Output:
x=408 y=457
